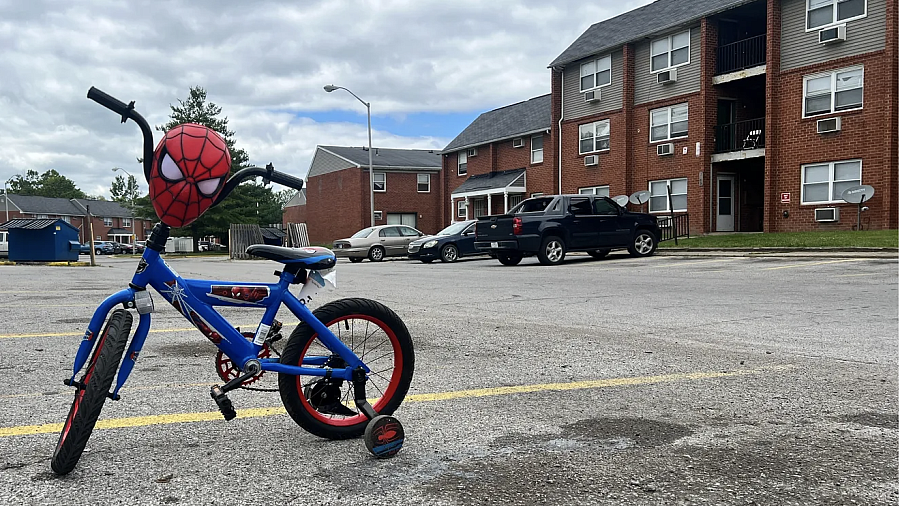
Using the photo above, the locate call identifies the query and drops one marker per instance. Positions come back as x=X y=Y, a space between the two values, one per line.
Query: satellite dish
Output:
x=621 y=200
x=858 y=194
x=640 y=198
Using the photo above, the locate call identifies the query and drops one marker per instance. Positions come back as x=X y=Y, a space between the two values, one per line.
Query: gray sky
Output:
x=427 y=67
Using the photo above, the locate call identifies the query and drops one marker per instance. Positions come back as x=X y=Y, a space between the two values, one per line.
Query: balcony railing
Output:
x=750 y=134
x=741 y=55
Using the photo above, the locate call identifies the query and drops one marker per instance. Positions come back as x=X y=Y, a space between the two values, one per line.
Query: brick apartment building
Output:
x=407 y=191
x=112 y=221
x=487 y=166
x=756 y=114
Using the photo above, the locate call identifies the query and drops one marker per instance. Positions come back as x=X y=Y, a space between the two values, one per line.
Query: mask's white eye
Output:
x=170 y=170
x=208 y=186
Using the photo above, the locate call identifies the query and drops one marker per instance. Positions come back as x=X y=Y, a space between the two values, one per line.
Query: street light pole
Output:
x=331 y=88
x=133 y=233
x=6 y=196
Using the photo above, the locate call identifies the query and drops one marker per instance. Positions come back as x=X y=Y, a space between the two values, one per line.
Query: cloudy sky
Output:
x=427 y=67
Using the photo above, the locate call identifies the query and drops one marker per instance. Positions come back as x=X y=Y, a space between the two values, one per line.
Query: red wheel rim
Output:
x=389 y=391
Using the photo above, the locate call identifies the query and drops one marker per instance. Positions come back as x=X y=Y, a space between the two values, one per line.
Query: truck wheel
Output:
x=598 y=253
x=643 y=245
x=553 y=251
x=509 y=258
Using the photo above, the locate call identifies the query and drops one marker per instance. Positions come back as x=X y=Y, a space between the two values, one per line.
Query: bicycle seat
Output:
x=313 y=257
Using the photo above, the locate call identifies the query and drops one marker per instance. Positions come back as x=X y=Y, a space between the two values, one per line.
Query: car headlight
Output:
x=430 y=244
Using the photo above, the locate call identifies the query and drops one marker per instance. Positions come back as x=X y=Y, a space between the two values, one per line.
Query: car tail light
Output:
x=517 y=226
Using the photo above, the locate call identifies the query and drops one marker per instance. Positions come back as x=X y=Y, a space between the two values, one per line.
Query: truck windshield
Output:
x=532 y=205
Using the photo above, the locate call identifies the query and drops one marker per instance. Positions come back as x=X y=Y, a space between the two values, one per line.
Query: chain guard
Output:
x=227 y=370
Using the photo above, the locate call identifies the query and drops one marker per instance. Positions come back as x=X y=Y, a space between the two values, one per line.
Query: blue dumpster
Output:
x=41 y=240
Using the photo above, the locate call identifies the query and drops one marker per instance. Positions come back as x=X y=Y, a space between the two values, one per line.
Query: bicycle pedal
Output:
x=223 y=402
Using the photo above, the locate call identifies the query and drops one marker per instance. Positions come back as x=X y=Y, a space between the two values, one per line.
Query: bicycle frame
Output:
x=195 y=299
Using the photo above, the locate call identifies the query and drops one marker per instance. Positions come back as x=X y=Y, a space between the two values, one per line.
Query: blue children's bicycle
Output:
x=346 y=367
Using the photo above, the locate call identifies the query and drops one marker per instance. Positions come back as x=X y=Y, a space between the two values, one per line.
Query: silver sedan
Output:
x=375 y=243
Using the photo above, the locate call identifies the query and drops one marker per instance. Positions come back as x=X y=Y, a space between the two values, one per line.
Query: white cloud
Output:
x=265 y=63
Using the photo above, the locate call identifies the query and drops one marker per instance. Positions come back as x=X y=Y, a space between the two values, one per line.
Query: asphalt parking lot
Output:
x=668 y=380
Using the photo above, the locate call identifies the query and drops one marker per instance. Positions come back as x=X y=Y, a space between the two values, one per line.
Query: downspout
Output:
x=562 y=114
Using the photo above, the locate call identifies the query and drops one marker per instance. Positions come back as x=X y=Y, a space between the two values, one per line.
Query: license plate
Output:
x=495 y=245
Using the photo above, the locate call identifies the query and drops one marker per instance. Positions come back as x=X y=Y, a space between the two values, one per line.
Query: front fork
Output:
x=126 y=298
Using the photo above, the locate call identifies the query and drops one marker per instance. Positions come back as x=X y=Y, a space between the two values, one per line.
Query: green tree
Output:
x=48 y=184
x=241 y=206
x=124 y=191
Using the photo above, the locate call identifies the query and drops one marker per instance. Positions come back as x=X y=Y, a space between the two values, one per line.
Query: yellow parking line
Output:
x=808 y=264
x=143 y=421
x=152 y=331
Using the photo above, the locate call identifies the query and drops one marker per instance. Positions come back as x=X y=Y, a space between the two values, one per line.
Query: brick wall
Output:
x=294 y=214
x=610 y=168
x=862 y=136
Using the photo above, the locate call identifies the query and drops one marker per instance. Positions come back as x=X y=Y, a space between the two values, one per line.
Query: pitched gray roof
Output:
x=106 y=208
x=389 y=158
x=33 y=204
x=530 y=116
x=489 y=181
x=299 y=199
x=639 y=23
x=31 y=223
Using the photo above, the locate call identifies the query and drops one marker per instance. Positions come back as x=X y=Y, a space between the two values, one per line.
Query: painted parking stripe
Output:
x=207 y=416
x=809 y=264
x=152 y=331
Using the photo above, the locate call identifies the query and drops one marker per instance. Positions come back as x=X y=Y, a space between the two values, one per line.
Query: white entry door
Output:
x=725 y=199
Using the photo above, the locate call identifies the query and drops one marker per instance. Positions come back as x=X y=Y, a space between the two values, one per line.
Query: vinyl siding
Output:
x=646 y=88
x=800 y=48
x=324 y=163
x=574 y=105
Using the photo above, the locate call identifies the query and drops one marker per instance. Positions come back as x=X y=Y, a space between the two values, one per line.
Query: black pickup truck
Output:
x=550 y=226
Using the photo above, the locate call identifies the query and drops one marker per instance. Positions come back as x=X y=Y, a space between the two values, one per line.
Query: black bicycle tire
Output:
x=303 y=334
x=96 y=381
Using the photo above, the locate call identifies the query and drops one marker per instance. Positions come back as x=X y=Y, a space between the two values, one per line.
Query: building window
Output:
x=480 y=207
x=537 y=194
x=537 y=148
x=43 y=216
x=659 y=195
x=107 y=222
x=670 y=51
x=67 y=219
x=126 y=222
x=841 y=90
x=461 y=164
x=824 y=182
x=602 y=191
x=378 y=215
x=595 y=73
x=461 y=208
x=821 y=13
x=593 y=137
x=380 y=181
x=423 y=183
x=669 y=123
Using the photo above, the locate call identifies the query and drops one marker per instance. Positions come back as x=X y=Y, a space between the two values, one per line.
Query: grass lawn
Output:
x=840 y=239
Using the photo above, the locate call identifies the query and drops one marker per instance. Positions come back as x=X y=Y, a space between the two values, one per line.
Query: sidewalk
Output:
x=885 y=253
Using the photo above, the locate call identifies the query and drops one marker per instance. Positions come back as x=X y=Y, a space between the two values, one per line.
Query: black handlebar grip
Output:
x=113 y=104
x=286 y=180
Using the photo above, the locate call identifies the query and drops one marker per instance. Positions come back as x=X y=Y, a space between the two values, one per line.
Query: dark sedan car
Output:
x=450 y=244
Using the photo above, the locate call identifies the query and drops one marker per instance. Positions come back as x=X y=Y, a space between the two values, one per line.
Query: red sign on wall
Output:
x=785 y=197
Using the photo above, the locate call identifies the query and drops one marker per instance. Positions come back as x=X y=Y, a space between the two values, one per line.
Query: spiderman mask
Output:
x=190 y=165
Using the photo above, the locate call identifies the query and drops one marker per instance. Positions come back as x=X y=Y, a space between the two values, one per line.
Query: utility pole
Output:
x=90 y=229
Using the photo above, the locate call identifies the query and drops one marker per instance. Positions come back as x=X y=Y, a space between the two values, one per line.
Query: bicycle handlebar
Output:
x=127 y=112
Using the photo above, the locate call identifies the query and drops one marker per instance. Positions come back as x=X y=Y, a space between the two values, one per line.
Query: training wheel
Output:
x=384 y=436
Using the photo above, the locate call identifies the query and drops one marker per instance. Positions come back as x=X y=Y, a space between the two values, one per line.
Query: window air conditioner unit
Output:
x=824 y=126
x=590 y=160
x=665 y=149
x=518 y=142
x=827 y=214
x=668 y=76
x=472 y=152
x=833 y=34
x=592 y=96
